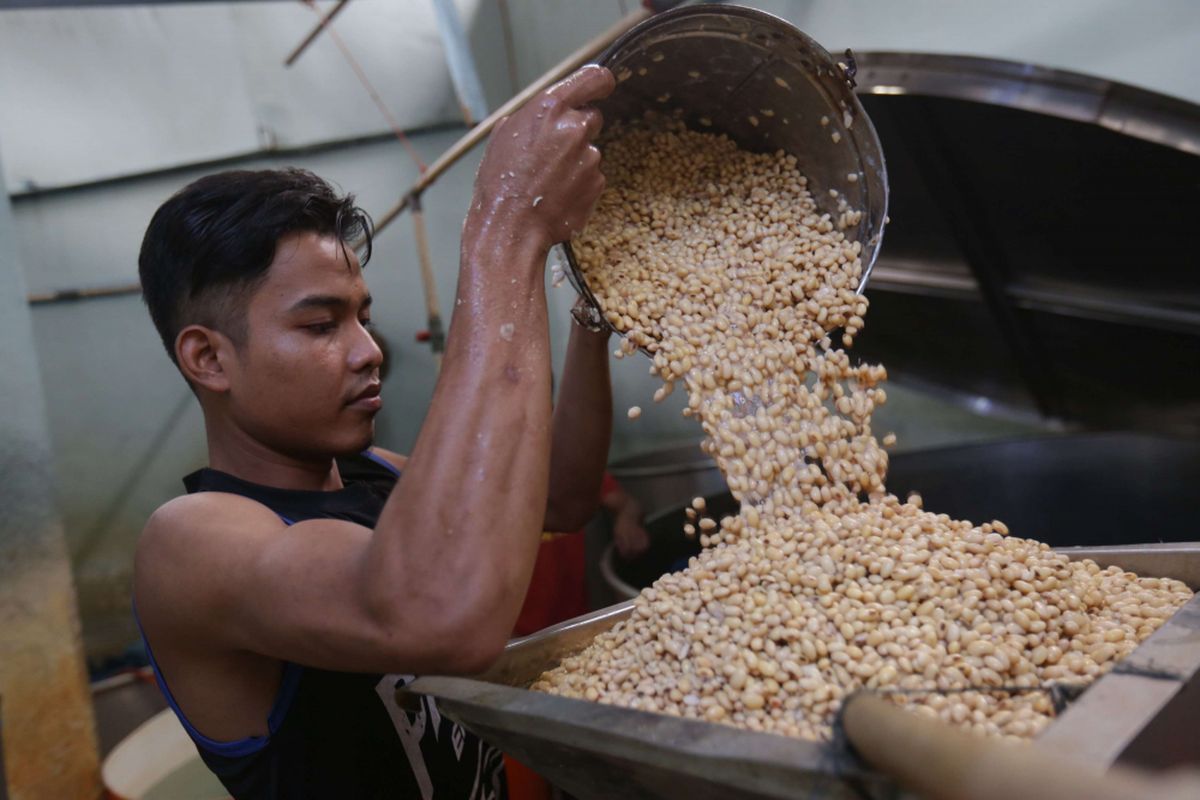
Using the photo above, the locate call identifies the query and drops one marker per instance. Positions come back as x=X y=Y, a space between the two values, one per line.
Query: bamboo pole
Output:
x=87 y=293
x=939 y=762
x=474 y=136
x=312 y=36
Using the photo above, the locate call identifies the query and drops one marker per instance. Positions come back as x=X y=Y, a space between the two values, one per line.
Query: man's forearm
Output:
x=582 y=430
x=480 y=467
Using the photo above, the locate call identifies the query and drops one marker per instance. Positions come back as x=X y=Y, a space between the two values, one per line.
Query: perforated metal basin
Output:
x=758 y=79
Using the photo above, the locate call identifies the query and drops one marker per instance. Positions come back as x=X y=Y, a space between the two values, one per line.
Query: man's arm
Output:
x=437 y=585
x=582 y=430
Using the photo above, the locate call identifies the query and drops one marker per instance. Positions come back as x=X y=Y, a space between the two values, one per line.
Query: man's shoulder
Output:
x=201 y=519
x=191 y=535
x=202 y=509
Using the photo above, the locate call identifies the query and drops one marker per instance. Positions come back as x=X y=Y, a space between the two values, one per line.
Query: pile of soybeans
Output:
x=718 y=262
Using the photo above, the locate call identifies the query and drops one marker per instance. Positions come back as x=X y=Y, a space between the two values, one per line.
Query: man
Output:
x=277 y=596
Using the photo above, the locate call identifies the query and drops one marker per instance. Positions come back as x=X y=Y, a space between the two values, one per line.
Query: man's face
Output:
x=305 y=382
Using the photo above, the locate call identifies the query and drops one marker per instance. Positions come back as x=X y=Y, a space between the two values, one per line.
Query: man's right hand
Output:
x=541 y=170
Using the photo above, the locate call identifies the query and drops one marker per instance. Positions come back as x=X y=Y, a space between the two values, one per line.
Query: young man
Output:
x=278 y=594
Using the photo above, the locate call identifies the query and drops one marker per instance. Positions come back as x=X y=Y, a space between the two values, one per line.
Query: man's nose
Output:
x=366 y=352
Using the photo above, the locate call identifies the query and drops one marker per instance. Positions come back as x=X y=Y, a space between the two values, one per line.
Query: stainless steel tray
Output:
x=1136 y=713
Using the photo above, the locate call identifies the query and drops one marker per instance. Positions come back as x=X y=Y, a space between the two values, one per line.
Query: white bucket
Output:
x=159 y=761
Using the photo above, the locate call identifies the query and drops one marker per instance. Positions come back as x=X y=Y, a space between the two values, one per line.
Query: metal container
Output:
x=754 y=76
x=1141 y=713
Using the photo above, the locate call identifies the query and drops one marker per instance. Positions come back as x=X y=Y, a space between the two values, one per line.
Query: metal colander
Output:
x=755 y=77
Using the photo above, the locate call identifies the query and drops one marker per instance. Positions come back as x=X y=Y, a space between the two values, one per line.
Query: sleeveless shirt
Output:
x=341 y=734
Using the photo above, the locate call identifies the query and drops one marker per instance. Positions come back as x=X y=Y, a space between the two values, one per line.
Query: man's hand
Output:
x=630 y=535
x=541 y=169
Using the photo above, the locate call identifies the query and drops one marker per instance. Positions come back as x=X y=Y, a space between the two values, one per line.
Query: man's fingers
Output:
x=592 y=121
x=586 y=84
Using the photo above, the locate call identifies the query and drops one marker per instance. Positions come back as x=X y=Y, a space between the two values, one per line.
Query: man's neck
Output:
x=239 y=455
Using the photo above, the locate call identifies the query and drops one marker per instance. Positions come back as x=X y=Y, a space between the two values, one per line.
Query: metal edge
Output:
x=1108 y=718
x=609 y=573
x=1120 y=107
x=747 y=760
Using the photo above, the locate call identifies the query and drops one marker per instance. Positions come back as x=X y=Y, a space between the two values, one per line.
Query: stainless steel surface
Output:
x=1120 y=107
x=1017 y=225
x=620 y=588
x=755 y=77
x=598 y=751
x=1079 y=489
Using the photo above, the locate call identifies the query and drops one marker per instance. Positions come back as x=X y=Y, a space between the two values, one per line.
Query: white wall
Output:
x=87 y=94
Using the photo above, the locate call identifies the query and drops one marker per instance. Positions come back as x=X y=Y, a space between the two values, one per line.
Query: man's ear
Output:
x=202 y=353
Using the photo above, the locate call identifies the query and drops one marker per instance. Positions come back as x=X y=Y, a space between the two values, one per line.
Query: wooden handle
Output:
x=942 y=763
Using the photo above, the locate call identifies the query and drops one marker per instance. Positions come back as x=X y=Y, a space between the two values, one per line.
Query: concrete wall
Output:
x=49 y=745
x=123 y=425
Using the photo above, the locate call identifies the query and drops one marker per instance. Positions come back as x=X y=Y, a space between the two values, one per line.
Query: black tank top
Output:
x=341 y=734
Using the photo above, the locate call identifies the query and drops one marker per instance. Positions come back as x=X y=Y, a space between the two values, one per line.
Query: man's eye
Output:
x=322 y=327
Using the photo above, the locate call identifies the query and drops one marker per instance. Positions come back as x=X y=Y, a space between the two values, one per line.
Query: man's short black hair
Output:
x=208 y=247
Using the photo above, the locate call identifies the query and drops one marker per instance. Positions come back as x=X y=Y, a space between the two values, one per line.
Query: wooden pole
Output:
x=939 y=762
x=480 y=131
